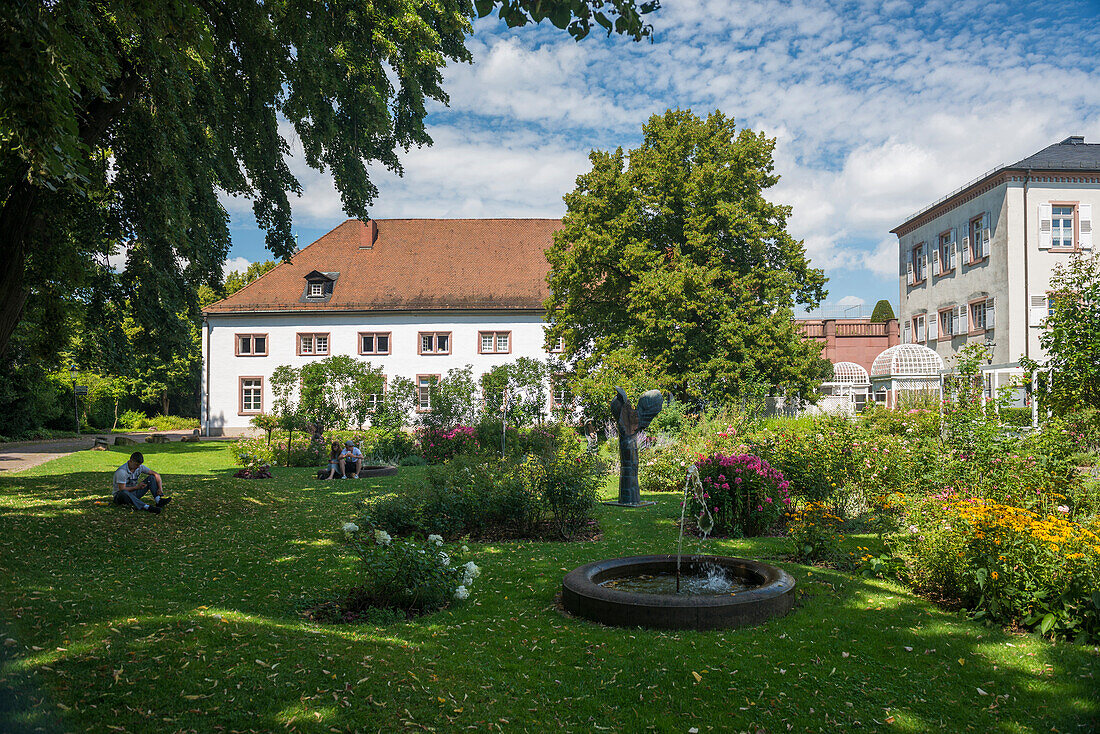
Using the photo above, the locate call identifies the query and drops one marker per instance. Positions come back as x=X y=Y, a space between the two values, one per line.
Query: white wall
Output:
x=967 y=282
x=1002 y=275
x=226 y=369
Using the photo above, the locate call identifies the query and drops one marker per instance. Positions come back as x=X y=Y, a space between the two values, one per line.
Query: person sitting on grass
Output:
x=351 y=460
x=333 y=459
x=128 y=487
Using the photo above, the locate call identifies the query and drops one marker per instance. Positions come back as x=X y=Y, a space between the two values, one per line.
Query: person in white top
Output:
x=351 y=460
x=127 y=485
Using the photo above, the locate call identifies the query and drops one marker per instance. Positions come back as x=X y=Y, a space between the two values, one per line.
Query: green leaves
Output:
x=679 y=257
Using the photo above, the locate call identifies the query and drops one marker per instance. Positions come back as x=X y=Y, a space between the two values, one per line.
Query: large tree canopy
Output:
x=673 y=250
x=121 y=121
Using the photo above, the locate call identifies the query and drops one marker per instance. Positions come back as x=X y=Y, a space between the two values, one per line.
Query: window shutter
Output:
x=922 y=331
x=909 y=267
x=907 y=337
x=933 y=326
x=924 y=266
x=1038 y=310
x=952 y=248
x=936 y=262
x=989 y=311
x=962 y=320
x=1045 y=235
x=966 y=250
x=954 y=321
x=985 y=235
x=1084 y=220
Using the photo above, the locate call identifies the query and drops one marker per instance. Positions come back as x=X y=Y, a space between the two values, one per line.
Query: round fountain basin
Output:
x=620 y=592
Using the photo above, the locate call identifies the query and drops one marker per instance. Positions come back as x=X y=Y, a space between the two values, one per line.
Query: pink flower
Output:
x=768 y=500
x=760 y=508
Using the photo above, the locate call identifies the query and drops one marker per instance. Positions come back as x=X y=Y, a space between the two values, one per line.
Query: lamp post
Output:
x=76 y=409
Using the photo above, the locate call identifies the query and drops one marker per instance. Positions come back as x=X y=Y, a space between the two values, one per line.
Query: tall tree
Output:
x=673 y=250
x=235 y=280
x=1071 y=338
x=129 y=117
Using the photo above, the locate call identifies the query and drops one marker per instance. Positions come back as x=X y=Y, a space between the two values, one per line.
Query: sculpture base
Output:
x=616 y=503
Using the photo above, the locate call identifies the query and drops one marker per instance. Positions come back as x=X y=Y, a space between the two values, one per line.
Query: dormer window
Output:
x=319 y=286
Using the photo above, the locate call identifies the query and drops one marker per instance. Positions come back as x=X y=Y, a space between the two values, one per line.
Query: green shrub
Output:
x=1015 y=416
x=1007 y=563
x=251 y=453
x=747 y=496
x=131 y=420
x=473 y=495
x=663 y=468
x=413 y=460
x=415 y=576
x=814 y=533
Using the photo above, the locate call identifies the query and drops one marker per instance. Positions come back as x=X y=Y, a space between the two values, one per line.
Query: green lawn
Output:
x=188 y=621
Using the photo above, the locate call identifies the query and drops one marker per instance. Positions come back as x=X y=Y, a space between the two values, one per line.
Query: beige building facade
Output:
x=976 y=265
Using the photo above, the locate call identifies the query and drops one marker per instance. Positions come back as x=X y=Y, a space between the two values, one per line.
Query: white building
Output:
x=415 y=297
x=976 y=265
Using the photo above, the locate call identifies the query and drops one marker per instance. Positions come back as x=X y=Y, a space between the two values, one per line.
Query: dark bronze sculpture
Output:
x=631 y=422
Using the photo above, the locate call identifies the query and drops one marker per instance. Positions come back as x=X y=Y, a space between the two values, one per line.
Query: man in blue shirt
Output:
x=128 y=487
x=351 y=460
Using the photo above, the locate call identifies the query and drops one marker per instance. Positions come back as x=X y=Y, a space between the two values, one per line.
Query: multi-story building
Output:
x=976 y=265
x=415 y=297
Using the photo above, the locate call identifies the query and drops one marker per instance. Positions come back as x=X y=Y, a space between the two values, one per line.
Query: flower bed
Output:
x=1008 y=563
x=746 y=495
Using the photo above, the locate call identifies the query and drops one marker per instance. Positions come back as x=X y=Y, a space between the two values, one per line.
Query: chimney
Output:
x=1074 y=140
x=372 y=229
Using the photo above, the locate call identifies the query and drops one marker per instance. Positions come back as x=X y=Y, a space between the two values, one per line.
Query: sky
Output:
x=877 y=109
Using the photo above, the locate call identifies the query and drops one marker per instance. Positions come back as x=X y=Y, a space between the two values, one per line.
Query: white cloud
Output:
x=851 y=301
x=235 y=263
x=879 y=109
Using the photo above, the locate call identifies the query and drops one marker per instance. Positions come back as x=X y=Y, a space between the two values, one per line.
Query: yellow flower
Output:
x=993 y=575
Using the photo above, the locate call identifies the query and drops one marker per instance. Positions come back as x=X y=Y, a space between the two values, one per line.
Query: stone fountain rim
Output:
x=580 y=582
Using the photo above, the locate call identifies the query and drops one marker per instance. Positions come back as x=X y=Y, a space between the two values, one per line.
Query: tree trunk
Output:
x=164 y=403
x=115 y=424
x=17 y=220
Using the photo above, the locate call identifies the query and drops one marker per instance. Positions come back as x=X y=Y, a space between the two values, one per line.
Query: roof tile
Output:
x=414 y=264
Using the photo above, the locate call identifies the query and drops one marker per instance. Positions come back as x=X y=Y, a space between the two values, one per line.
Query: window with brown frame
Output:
x=559 y=347
x=251 y=345
x=946 y=253
x=434 y=342
x=251 y=395
x=425 y=385
x=313 y=345
x=374 y=342
x=976 y=233
x=947 y=323
x=494 y=342
x=918 y=263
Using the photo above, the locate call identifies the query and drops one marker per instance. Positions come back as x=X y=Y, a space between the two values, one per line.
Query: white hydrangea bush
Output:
x=413 y=575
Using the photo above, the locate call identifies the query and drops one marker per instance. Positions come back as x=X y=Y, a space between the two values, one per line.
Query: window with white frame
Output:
x=425 y=385
x=1061 y=226
x=251 y=345
x=312 y=344
x=494 y=342
x=316 y=289
x=559 y=346
x=252 y=395
x=374 y=342
x=435 y=342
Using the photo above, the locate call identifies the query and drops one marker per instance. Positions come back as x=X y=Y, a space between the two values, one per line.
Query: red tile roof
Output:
x=412 y=264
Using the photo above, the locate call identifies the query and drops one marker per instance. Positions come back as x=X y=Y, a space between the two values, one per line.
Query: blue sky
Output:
x=878 y=109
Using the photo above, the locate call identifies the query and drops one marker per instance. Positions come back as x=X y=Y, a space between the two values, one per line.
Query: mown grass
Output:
x=188 y=621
